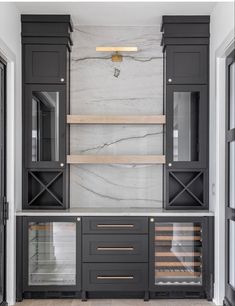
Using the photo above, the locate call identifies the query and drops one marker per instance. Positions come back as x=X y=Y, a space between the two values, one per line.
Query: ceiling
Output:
x=116 y=13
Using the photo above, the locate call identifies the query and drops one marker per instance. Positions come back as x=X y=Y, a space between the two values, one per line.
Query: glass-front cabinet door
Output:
x=186 y=136
x=45 y=126
x=178 y=254
x=52 y=254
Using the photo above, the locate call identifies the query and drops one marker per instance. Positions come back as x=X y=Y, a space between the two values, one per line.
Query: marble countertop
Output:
x=93 y=211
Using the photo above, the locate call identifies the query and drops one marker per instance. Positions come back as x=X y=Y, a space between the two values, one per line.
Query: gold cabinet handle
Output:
x=115 y=225
x=115 y=249
x=115 y=277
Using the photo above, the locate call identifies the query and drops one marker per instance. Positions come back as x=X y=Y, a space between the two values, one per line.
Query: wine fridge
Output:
x=180 y=253
x=52 y=252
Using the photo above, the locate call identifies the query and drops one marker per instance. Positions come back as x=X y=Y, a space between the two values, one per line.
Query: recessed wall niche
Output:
x=97 y=89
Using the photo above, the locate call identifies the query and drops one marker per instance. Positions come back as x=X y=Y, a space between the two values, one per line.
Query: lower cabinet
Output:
x=181 y=257
x=160 y=257
x=115 y=255
x=115 y=277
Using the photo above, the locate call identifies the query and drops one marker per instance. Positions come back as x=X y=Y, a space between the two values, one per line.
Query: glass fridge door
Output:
x=51 y=253
x=178 y=253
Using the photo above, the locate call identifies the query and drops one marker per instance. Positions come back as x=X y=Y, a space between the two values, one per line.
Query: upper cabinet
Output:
x=185 y=42
x=45 y=64
x=186 y=64
x=46 y=47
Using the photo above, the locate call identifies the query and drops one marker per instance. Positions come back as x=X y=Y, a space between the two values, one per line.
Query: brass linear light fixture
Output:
x=116 y=57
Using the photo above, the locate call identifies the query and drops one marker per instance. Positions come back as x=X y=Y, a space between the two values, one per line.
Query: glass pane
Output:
x=52 y=253
x=232 y=253
x=178 y=253
x=45 y=126
x=231 y=168
x=232 y=96
x=185 y=126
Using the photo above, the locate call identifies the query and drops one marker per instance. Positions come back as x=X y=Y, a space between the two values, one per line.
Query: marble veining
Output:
x=102 y=87
x=138 y=87
x=115 y=139
x=116 y=185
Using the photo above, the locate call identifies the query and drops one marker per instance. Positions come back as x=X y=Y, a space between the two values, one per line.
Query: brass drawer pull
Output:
x=115 y=249
x=115 y=225
x=115 y=277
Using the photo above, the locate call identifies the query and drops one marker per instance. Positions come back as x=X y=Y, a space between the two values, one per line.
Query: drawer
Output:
x=115 y=277
x=115 y=225
x=115 y=248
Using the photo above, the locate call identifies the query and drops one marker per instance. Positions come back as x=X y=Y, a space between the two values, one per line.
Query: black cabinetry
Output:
x=185 y=41
x=181 y=257
x=115 y=255
x=46 y=45
x=187 y=64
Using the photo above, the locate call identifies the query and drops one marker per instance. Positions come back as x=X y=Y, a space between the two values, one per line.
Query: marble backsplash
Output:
x=101 y=87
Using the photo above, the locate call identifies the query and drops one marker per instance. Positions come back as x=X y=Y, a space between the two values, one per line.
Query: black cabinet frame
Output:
x=27 y=126
x=202 y=126
x=204 y=290
x=25 y=259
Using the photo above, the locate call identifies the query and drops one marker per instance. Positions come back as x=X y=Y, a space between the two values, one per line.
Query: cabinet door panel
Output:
x=181 y=257
x=45 y=126
x=115 y=248
x=187 y=64
x=45 y=64
x=115 y=276
x=115 y=225
x=52 y=253
x=187 y=126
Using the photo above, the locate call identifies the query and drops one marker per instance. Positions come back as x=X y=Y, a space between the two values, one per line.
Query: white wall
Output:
x=222 y=34
x=10 y=50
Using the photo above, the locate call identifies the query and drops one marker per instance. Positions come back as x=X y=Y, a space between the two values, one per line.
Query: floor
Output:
x=107 y=302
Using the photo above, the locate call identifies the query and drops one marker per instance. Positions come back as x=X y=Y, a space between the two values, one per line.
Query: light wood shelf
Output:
x=177 y=228
x=174 y=254
x=90 y=119
x=118 y=159
x=177 y=264
x=180 y=238
x=177 y=273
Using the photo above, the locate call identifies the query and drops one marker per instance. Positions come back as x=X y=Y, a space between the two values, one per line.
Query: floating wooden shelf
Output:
x=85 y=119
x=120 y=159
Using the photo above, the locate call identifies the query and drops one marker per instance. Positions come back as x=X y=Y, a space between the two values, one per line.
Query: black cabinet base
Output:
x=85 y=295
x=51 y=295
x=177 y=295
x=116 y=295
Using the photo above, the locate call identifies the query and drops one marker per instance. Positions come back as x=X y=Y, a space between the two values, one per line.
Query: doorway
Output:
x=230 y=182
x=3 y=204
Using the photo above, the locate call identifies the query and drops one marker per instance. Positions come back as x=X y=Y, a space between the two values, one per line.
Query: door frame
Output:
x=3 y=141
x=13 y=166
x=217 y=159
x=229 y=212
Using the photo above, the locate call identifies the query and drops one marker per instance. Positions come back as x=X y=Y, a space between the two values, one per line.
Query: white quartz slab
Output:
x=94 y=211
x=114 y=186
x=116 y=139
x=102 y=87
